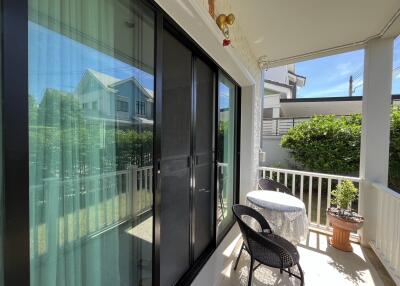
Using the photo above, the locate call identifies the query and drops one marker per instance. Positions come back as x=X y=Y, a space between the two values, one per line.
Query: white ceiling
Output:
x=289 y=30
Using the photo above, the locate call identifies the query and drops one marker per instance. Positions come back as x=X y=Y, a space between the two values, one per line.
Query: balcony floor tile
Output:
x=322 y=265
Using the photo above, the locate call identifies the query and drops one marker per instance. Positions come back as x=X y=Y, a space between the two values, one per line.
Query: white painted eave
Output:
x=321 y=27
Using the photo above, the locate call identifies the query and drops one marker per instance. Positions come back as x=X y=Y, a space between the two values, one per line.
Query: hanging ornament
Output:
x=223 y=23
x=226 y=42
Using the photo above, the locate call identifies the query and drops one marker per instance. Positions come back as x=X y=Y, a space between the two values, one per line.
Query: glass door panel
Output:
x=203 y=194
x=225 y=153
x=175 y=160
x=90 y=147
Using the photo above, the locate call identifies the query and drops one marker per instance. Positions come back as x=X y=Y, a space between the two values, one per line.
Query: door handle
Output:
x=204 y=190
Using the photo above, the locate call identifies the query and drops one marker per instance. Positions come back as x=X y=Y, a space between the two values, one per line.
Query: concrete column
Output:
x=375 y=137
x=250 y=137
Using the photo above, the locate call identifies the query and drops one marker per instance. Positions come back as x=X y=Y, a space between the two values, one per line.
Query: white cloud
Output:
x=337 y=90
x=344 y=68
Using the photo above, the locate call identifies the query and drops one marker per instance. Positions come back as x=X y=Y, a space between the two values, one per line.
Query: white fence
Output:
x=280 y=126
x=387 y=235
x=314 y=189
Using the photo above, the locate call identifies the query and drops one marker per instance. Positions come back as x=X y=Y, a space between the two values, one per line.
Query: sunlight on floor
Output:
x=322 y=265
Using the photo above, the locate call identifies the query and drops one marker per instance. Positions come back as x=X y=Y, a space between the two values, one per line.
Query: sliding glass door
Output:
x=91 y=78
x=226 y=149
x=187 y=190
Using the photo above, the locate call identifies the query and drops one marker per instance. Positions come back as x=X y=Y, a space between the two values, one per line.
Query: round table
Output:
x=285 y=214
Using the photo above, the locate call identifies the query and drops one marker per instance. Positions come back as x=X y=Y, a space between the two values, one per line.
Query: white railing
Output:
x=387 y=235
x=109 y=199
x=314 y=189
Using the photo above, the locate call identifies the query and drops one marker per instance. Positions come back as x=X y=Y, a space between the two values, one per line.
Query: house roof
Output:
x=299 y=79
x=146 y=91
x=104 y=79
x=110 y=82
x=306 y=107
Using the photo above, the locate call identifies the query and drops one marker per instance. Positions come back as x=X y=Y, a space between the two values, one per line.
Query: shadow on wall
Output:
x=275 y=155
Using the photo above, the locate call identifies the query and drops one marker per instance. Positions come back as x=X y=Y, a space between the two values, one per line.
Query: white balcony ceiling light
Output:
x=287 y=31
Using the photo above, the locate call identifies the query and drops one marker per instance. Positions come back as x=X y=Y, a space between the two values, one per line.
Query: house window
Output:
x=140 y=107
x=95 y=105
x=122 y=106
x=85 y=106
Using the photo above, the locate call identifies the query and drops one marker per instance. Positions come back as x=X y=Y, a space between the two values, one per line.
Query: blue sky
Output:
x=329 y=76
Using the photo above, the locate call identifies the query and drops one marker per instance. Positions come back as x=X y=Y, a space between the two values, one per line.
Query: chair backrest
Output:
x=252 y=239
x=268 y=184
x=239 y=211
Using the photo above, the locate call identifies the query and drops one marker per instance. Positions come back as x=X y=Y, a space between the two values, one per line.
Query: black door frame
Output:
x=14 y=73
x=236 y=149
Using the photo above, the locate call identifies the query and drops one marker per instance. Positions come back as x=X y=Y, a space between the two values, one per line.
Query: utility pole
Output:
x=350 y=86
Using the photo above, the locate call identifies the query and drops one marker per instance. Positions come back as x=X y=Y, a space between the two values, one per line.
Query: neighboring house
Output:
x=280 y=83
x=109 y=98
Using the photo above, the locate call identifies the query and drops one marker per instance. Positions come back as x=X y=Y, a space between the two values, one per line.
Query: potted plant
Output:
x=341 y=217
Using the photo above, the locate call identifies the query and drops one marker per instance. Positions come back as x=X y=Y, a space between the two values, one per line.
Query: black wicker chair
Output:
x=268 y=184
x=265 y=247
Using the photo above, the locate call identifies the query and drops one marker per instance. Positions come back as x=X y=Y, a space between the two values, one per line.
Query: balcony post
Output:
x=375 y=137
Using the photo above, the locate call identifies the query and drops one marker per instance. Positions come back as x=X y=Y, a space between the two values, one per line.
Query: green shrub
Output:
x=394 y=155
x=344 y=194
x=331 y=144
x=326 y=144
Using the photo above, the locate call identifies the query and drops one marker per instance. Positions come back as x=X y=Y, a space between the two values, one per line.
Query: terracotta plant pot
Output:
x=342 y=226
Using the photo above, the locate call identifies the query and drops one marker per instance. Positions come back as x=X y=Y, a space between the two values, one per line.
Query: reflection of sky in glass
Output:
x=223 y=99
x=63 y=62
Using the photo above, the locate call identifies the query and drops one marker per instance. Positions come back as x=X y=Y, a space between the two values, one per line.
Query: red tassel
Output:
x=226 y=42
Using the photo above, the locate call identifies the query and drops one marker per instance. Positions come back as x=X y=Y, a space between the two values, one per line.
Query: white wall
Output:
x=278 y=74
x=275 y=155
x=271 y=101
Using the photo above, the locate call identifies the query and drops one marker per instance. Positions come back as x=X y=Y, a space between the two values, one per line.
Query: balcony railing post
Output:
x=294 y=184
x=301 y=187
x=319 y=201
x=134 y=195
x=310 y=185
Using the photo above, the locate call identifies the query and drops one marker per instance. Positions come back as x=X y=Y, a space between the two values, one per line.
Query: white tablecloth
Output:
x=286 y=214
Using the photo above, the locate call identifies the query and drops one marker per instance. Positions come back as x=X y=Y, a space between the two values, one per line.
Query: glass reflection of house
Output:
x=125 y=102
